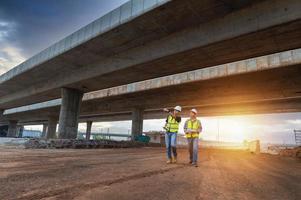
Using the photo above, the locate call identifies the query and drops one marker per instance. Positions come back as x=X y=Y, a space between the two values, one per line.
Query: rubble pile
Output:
x=295 y=152
x=80 y=144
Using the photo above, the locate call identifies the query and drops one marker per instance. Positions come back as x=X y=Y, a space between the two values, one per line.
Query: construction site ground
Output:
x=142 y=173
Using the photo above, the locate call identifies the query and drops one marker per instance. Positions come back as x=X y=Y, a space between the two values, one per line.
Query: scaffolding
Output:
x=297 y=137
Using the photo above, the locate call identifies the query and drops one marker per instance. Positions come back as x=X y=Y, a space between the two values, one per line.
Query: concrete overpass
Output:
x=145 y=39
x=266 y=84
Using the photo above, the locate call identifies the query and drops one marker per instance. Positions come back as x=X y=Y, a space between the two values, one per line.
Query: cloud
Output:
x=39 y=24
x=10 y=55
x=5 y=28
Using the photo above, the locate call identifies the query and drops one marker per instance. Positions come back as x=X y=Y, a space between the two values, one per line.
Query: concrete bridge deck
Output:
x=142 y=174
x=134 y=43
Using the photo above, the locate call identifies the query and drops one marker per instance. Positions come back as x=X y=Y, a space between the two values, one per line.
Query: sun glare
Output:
x=233 y=129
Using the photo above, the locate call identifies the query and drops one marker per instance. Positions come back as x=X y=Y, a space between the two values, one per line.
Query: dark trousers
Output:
x=193 y=146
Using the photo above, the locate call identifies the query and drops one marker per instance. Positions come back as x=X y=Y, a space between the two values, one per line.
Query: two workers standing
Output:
x=192 y=128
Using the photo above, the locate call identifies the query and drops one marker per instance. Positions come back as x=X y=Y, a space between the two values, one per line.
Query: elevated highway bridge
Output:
x=224 y=57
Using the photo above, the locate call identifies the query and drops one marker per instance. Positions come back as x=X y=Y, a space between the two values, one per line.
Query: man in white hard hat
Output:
x=172 y=127
x=192 y=129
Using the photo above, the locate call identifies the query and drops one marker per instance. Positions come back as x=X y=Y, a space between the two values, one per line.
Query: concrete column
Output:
x=88 y=130
x=70 y=108
x=12 y=128
x=20 y=130
x=1 y=114
x=44 y=132
x=137 y=122
x=51 y=128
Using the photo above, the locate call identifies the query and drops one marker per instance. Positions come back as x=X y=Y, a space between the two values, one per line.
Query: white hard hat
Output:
x=194 y=111
x=178 y=108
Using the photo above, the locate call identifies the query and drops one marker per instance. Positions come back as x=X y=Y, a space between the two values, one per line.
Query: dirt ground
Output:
x=137 y=174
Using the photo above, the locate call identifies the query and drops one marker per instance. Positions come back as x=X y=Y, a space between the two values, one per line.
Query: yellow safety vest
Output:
x=193 y=125
x=172 y=125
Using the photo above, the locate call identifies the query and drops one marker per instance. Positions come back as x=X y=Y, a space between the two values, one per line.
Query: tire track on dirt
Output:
x=81 y=186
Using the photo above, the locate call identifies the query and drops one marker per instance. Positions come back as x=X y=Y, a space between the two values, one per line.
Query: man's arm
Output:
x=167 y=110
x=166 y=121
x=200 y=127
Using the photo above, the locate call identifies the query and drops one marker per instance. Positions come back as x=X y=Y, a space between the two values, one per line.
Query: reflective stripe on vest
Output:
x=193 y=125
x=172 y=125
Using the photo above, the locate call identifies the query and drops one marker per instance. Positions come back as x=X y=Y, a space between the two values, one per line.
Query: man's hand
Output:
x=165 y=110
x=191 y=131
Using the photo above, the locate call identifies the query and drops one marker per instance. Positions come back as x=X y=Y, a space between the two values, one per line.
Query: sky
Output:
x=29 y=26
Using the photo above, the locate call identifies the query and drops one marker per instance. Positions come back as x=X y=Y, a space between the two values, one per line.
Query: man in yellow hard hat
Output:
x=192 y=129
x=172 y=126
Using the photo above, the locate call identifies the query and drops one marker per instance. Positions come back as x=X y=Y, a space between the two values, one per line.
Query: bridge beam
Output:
x=137 y=122
x=69 y=113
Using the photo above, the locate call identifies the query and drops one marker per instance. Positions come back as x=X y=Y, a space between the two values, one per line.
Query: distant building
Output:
x=31 y=134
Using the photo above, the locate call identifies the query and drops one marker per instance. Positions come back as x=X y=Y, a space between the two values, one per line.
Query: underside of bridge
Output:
x=268 y=91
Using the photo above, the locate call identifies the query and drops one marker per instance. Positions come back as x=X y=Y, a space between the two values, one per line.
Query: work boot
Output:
x=190 y=162
x=168 y=161
x=174 y=160
x=195 y=164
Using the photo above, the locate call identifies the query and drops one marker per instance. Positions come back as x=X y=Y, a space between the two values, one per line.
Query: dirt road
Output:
x=137 y=174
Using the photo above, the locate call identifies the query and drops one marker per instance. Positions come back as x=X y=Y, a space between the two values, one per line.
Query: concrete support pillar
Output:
x=137 y=122
x=20 y=130
x=44 y=132
x=12 y=128
x=51 y=128
x=70 y=108
x=1 y=114
x=88 y=130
